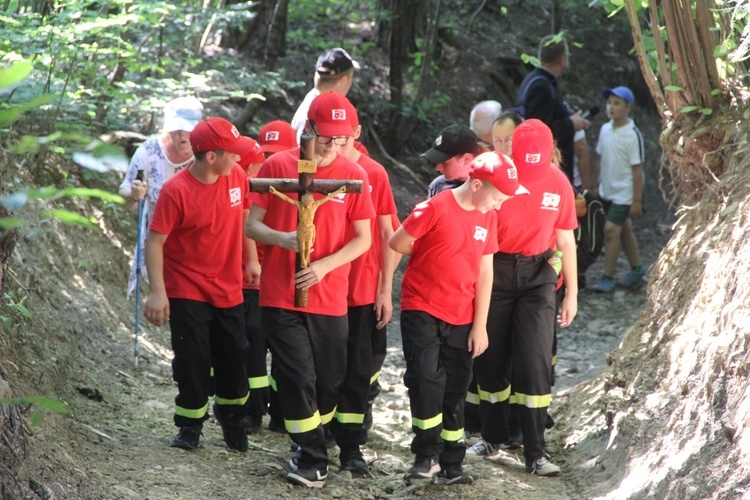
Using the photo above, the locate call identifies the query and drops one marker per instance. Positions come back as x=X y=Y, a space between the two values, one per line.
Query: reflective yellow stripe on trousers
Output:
x=531 y=401
x=304 y=425
x=427 y=424
x=184 y=412
x=258 y=382
x=494 y=397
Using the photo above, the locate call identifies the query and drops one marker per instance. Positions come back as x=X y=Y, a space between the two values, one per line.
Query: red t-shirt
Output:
x=331 y=222
x=443 y=269
x=526 y=224
x=203 y=249
x=245 y=256
x=363 y=276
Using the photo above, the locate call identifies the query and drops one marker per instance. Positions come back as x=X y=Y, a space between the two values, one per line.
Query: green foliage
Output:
x=40 y=403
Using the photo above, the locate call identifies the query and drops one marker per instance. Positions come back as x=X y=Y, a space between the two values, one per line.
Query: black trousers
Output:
x=520 y=326
x=349 y=428
x=379 y=343
x=309 y=353
x=438 y=372
x=204 y=336
x=257 y=372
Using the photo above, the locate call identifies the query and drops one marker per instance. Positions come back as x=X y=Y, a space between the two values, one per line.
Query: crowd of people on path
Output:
x=491 y=273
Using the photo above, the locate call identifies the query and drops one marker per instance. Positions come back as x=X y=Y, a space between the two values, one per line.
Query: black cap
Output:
x=453 y=140
x=335 y=61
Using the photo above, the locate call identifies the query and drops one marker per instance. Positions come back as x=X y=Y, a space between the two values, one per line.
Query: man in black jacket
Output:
x=541 y=98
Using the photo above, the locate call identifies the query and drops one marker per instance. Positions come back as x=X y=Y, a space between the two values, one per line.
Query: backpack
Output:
x=590 y=233
x=520 y=107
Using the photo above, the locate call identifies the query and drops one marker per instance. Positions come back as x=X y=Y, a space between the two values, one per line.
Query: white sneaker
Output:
x=543 y=467
x=483 y=449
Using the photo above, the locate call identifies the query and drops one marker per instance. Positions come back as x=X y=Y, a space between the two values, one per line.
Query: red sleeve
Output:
x=258 y=198
x=567 y=216
x=420 y=220
x=167 y=213
x=360 y=206
x=386 y=205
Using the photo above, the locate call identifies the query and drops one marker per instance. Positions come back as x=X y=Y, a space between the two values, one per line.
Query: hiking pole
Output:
x=138 y=177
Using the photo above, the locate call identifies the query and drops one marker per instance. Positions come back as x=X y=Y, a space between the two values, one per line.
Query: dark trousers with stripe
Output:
x=257 y=372
x=438 y=373
x=309 y=353
x=349 y=428
x=520 y=326
x=204 y=336
x=379 y=343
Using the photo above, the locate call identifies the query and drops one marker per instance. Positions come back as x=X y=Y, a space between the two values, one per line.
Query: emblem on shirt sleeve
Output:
x=235 y=196
x=550 y=201
x=480 y=233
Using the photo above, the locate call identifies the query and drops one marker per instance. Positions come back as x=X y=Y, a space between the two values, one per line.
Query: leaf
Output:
x=71 y=218
x=22 y=309
x=102 y=157
x=715 y=91
x=86 y=193
x=36 y=417
x=10 y=115
x=688 y=109
x=15 y=74
x=9 y=223
x=49 y=404
x=673 y=88
x=706 y=111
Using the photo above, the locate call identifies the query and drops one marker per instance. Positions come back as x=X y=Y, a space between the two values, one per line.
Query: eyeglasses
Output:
x=321 y=139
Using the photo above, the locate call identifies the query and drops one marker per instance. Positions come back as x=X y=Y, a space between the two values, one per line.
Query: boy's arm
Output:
x=636 y=209
x=566 y=243
x=156 y=308
x=388 y=263
x=478 y=340
x=317 y=270
x=256 y=230
x=252 y=268
x=402 y=242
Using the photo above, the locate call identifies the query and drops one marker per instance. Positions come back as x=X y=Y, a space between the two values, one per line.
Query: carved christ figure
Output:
x=306 y=207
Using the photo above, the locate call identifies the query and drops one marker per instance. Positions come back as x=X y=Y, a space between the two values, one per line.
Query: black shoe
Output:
x=252 y=423
x=234 y=432
x=276 y=425
x=423 y=468
x=353 y=461
x=294 y=461
x=187 y=438
x=310 y=477
x=453 y=474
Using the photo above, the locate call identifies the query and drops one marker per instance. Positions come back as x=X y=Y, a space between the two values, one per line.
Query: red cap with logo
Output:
x=329 y=112
x=251 y=153
x=532 y=150
x=213 y=134
x=499 y=170
x=276 y=136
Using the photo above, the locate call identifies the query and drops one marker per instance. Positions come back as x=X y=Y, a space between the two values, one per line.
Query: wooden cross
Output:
x=305 y=186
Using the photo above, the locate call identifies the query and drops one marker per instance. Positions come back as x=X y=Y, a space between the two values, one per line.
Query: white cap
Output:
x=182 y=113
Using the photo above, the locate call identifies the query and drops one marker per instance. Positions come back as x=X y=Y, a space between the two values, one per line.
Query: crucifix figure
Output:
x=306 y=228
x=306 y=205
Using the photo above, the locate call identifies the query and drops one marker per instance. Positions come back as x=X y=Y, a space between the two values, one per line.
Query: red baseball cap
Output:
x=276 y=136
x=532 y=150
x=251 y=153
x=329 y=112
x=215 y=133
x=499 y=170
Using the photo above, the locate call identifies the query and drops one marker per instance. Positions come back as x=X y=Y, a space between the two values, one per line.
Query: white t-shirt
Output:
x=150 y=158
x=620 y=150
x=300 y=116
x=579 y=136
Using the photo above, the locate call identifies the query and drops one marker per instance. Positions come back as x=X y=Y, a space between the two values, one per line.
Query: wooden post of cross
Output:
x=305 y=185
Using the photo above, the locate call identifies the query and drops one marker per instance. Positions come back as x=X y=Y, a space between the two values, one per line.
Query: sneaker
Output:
x=472 y=438
x=234 y=432
x=543 y=467
x=310 y=477
x=453 y=474
x=604 y=285
x=187 y=438
x=483 y=449
x=353 y=463
x=423 y=468
x=294 y=461
x=633 y=277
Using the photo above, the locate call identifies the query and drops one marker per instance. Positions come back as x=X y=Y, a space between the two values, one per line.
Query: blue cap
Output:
x=622 y=92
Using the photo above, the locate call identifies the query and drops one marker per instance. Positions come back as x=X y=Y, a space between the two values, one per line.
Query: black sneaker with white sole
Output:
x=232 y=428
x=188 y=438
x=309 y=476
x=353 y=461
x=453 y=474
x=423 y=468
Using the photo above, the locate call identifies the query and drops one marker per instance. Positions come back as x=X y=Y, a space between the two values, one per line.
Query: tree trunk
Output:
x=276 y=43
x=250 y=39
